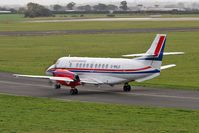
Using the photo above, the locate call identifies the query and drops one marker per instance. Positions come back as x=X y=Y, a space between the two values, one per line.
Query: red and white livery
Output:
x=75 y=71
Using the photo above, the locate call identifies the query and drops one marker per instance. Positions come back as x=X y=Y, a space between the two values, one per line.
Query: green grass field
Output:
x=14 y=22
x=32 y=54
x=41 y=115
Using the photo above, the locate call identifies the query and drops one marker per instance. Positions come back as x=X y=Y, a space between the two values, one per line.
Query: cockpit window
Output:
x=57 y=63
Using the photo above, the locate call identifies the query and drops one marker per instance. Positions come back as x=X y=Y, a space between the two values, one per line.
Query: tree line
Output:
x=37 y=10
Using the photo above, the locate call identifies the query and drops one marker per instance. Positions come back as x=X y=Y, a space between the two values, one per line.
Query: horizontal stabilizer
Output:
x=167 y=66
x=173 y=53
x=144 y=54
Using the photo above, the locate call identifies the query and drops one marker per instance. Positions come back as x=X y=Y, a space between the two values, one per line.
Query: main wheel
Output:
x=73 y=91
x=126 y=87
x=76 y=91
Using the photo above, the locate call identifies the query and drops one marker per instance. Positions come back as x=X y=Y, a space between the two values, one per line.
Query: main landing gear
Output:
x=127 y=87
x=73 y=91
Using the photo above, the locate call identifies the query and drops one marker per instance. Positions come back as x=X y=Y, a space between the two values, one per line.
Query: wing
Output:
x=82 y=79
x=144 y=54
x=46 y=77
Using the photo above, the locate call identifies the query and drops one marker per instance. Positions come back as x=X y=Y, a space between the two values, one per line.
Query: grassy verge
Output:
x=31 y=55
x=40 y=115
x=26 y=26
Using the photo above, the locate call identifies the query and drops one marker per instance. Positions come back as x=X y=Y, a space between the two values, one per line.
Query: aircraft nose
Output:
x=50 y=70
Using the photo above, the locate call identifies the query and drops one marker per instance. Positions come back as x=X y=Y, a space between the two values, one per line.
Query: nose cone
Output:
x=50 y=70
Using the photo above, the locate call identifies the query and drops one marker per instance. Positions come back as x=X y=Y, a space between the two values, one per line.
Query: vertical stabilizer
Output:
x=154 y=55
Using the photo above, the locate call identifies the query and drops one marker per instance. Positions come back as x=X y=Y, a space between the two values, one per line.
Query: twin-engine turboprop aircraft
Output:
x=75 y=71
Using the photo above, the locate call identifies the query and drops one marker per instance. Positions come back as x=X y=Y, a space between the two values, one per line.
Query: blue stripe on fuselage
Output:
x=143 y=72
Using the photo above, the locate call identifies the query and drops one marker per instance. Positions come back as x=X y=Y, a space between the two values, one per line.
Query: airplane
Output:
x=75 y=71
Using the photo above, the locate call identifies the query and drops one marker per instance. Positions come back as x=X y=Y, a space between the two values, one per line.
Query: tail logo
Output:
x=159 y=46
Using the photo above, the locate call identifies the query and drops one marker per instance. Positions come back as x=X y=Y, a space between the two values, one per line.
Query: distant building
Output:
x=163 y=9
x=5 y=11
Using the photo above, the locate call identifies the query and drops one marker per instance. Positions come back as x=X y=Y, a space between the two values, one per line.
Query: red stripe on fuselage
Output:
x=112 y=70
x=159 y=46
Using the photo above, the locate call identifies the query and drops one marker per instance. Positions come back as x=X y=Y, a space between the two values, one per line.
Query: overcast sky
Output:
x=49 y=2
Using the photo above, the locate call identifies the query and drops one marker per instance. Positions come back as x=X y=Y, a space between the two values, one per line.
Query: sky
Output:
x=50 y=2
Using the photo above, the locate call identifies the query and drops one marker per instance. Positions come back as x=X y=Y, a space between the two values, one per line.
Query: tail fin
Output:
x=154 y=55
x=157 y=47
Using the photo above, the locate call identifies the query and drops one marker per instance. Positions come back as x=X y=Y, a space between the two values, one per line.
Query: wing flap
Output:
x=89 y=81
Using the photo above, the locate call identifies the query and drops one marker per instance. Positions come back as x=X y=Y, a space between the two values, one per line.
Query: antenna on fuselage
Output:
x=69 y=54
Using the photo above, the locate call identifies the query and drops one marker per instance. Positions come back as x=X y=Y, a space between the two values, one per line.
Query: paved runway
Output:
x=138 y=96
x=116 y=19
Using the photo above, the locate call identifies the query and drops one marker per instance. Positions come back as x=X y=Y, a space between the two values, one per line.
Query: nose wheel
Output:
x=126 y=87
x=57 y=86
x=73 y=91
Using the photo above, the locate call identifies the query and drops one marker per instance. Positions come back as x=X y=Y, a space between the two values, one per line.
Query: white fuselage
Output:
x=106 y=70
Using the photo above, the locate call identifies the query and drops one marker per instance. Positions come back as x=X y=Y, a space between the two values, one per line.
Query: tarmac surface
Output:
x=111 y=31
x=116 y=19
x=171 y=98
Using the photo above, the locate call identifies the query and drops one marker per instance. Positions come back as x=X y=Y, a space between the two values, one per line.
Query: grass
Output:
x=27 y=26
x=41 y=115
x=14 y=22
x=7 y=18
x=32 y=54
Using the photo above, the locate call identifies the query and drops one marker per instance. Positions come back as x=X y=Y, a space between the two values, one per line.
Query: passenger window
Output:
x=84 y=65
x=80 y=65
x=103 y=66
x=95 y=65
x=99 y=66
x=77 y=65
x=106 y=65
x=91 y=66
x=87 y=65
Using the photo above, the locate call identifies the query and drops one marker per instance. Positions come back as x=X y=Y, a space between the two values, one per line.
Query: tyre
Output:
x=72 y=92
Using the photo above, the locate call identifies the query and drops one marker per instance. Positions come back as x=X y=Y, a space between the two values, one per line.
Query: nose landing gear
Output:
x=126 y=87
x=57 y=86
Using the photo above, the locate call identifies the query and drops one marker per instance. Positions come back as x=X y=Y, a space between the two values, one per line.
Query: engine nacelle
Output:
x=68 y=74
